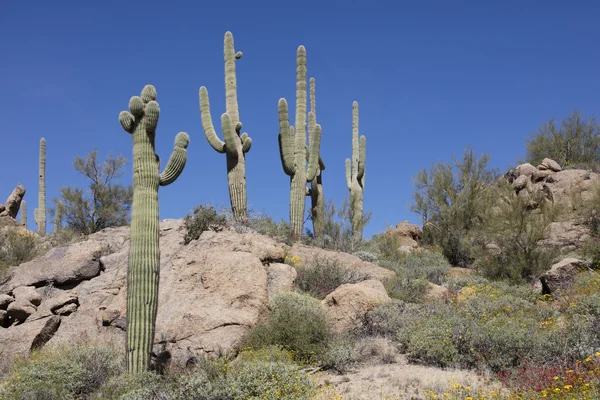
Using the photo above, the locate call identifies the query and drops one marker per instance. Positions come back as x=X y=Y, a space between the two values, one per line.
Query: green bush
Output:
x=322 y=276
x=296 y=322
x=340 y=356
x=62 y=372
x=406 y=289
x=268 y=380
x=451 y=199
x=16 y=247
x=203 y=218
x=144 y=386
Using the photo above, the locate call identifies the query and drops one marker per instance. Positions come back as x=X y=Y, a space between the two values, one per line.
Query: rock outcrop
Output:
x=568 y=190
x=12 y=204
x=407 y=235
x=561 y=276
x=212 y=291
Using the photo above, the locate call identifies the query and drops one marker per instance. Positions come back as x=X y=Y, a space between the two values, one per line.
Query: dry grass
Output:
x=371 y=381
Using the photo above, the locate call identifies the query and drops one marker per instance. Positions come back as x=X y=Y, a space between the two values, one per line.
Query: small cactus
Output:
x=58 y=216
x=235 y=145
x=317 y=198
x=292 y=148
x=144 y=255
x=355 y=177
x=40 y=213
x=24 y=213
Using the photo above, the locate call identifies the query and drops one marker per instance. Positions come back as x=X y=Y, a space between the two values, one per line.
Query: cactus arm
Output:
x=362 y=154
x=229 y=135
x=127 y=121
x=246 y=142
x=209 y=129
x=348 y=174
x=313 y=162
x=177 y=160
x=286 y=139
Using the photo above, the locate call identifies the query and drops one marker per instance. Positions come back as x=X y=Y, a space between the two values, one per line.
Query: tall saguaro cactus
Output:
x=355 y=177
x=292 y=147
x=40 y=213
x=144 y=254
x=317 y=208
x=235 y=145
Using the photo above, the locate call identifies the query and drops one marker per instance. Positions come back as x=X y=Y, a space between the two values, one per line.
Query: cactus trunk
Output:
x=143 y=272
x=317 y=200
x=292 y=148
x=355 y=178
x=40 y=212
x=236 y=145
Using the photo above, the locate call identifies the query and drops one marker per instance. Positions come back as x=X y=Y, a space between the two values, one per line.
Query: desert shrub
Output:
x=62 y=372
x=322 y=276
x=380 y=349
x=516 y=231
x=406 y=289
x=144 y=386
x=366 y=256
x=265 y=225
x=575 y=142
x=296 y=322
x=388 y=318
x=273 y=353
x=268 y=380
x=16 y=247
x=451 y=200
x=340 y=355
x=203 y=218
x=433 y=344
x=421 y=265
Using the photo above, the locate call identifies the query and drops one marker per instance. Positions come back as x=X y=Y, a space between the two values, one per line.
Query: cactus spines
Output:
x=236 y=145
x=24 y=213
x=317 y=208
x=292 y=147
x=58 y=216
x=144 y=254
x=355 y=177
x=39 y=213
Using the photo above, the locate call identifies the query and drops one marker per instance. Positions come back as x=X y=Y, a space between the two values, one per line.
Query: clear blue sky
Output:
x=431 y=78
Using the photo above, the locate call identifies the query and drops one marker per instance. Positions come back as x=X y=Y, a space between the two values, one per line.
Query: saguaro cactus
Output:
x=144 y=254
x=292 y=147
x=58 y=214
x=235 y=146
x=24 y=213
x=355 y=177
x=40 y=213
x=317 y=208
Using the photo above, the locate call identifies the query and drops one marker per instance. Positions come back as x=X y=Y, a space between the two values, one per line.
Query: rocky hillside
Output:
x=212 y=291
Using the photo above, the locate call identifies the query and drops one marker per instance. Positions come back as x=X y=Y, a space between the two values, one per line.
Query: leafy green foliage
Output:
x=451 y=200
x=105 y=204
x=515 y=229
x=575 y=143
x=16 y=247
x=203 y=218
x=62 y=372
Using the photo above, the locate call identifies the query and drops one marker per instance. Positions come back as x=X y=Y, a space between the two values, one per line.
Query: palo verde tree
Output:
x=575 y=141
x=104 y=204
x=451 y=200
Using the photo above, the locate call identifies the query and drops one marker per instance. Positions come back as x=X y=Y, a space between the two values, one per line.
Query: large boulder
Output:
x=561 y=276
x=406 y=235
x=348 y=304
